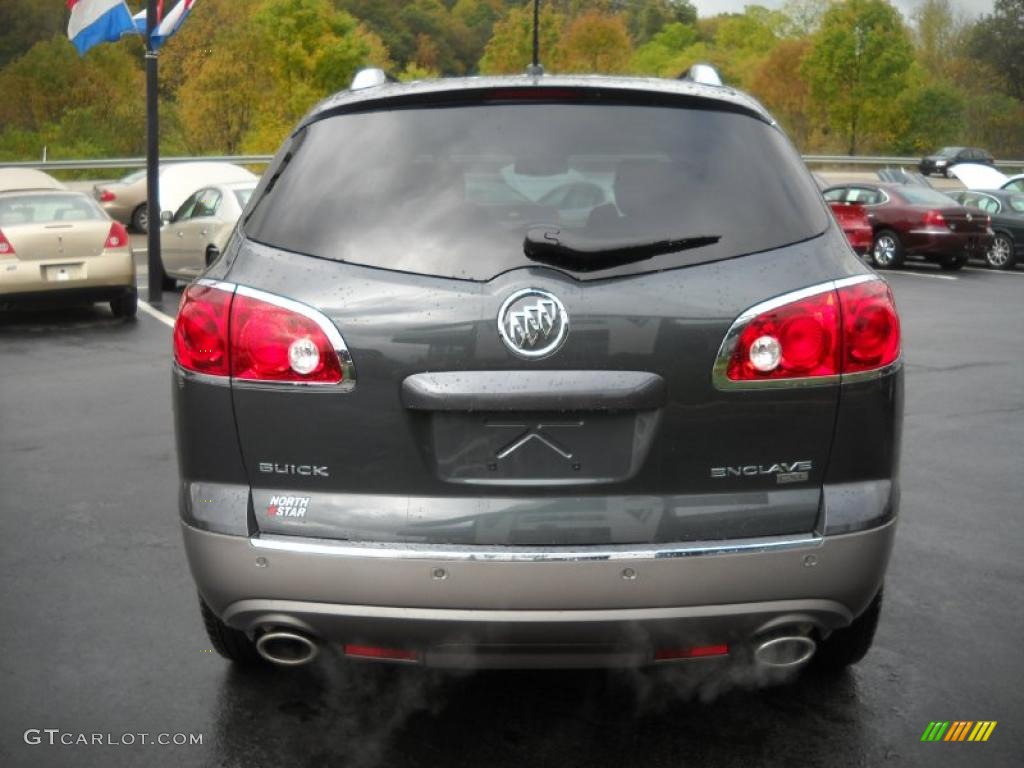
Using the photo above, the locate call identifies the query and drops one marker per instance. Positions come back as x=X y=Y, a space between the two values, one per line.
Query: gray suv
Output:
x=541 y=372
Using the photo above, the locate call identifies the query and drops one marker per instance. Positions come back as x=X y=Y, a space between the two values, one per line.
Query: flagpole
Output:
x=155 y=280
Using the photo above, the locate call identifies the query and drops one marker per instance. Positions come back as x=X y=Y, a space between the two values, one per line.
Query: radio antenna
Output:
x=535 y=69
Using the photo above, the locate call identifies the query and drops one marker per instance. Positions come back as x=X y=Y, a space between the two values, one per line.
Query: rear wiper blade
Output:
x=549 y=245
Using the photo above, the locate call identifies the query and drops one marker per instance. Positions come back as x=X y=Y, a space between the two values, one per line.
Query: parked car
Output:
x=1005 y=210
x=983 y=177
x=125 y=200
x=419 y=425
x=853 y=220
x=25 y=179
x=947 y=157
x=194 y=236
x=56 y=244
x=914 y=221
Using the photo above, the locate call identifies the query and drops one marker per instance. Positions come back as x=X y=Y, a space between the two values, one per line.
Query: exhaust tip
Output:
x=287 y=649
x=785 y=652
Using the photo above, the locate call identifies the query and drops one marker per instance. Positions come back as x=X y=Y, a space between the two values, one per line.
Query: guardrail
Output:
x=140 y=162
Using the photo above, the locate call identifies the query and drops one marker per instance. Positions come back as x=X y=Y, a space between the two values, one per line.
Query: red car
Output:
x=853 y=220
x=913 y=221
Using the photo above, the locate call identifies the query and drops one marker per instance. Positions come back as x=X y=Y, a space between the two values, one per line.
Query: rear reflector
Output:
x=106 y=196
x=375 y=652
x=821 y=333
x=255 y=336
x=696 y=652
x=6 y=249
x=117 y=237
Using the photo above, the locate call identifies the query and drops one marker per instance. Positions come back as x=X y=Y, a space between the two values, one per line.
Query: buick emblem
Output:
x=532 y=323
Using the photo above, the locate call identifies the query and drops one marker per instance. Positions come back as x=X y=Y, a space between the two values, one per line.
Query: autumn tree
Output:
x=781 y=86
x=510 y=48
x=597 y=44
x=858 y=62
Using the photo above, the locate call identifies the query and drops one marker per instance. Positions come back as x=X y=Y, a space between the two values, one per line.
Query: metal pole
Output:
x=155 y=280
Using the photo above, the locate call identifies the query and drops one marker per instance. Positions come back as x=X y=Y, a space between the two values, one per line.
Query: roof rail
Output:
x=702 y=73
x=370 y=77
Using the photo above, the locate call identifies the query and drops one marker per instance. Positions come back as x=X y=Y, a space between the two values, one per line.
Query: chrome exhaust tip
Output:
x=785 y=651
x=287 y=649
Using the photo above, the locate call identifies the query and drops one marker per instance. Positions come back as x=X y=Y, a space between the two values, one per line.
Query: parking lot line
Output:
x=921 y=274
x=149 y=310
x=993 y=271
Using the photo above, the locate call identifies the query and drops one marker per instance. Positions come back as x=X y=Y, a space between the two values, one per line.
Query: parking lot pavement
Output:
x=101 y=633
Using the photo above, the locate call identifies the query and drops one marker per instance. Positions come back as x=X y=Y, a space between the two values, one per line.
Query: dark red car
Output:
x=853 y=220
x=913 y=221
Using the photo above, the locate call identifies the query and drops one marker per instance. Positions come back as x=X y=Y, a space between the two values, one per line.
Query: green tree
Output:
x=938 y=35
x=930 y=116
x=857 y=65
x=661 y=54
x=998 y=40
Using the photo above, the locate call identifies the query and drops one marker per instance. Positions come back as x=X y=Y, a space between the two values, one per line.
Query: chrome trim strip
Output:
x=877 y=373
x=604 y=553
x=719 y=376
x=348 y=369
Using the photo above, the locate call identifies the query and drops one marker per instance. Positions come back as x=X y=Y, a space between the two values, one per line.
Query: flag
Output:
x=97 y=21
x=169 y=24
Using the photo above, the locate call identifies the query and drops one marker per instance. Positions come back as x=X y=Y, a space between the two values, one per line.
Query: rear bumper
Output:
x=936 y=242
x=587 y=606
x=105 y=275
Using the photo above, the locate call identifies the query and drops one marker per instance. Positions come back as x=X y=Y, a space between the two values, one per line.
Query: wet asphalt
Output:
x=100 y=631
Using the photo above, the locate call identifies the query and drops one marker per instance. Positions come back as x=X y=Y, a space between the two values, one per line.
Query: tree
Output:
x=596 y=43
x=930 y=116
x=510 y=48
x=938 y=34
x=781 y=86
x=858 y=63
x=661 y=55
x=998 y=40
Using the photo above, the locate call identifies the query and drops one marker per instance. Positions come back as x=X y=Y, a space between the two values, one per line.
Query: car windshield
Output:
x=243 y=195
x=45 y=209
x=454 y=191
x=924 y=196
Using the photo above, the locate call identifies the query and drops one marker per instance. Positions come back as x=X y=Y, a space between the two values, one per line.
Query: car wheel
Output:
x=1000 y=255
x=846 y=646
x=953 y=263
x=887 y=251
x=140 y=218
x=229 y=642
x=126 y=305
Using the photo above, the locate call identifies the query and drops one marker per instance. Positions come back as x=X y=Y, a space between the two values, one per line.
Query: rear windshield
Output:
x=924 y=196
x=45 y=209
x=452 y=191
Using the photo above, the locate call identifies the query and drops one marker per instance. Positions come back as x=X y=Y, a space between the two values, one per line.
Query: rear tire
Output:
x=887 y=250
x=229 y=642
x=953 y=263
x=125 y=305
x=1001 y=255
x=140 y=218
x=846 y=646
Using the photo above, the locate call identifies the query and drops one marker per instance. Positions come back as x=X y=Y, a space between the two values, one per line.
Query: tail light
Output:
x=224 y=330
x=934 y=219
x=813 y=336
x=6 y=249
x=694 y=652
x=106 y=196
x=117 y=237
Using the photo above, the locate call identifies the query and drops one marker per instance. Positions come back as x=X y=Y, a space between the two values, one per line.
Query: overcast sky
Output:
x=711 y=7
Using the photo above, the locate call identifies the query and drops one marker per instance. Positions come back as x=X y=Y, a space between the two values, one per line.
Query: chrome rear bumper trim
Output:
x=403 y=551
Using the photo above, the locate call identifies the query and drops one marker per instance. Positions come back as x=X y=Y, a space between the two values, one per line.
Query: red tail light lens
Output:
x=934 y=219
x=107 y=196
x=794 y=340
x=272 y=343
x=871 y=327
x=117 y=237
x=201 y=330
x=246 y=334
x=696 y=652
x=376 y=652
x=6 y=249
x=845 y=330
